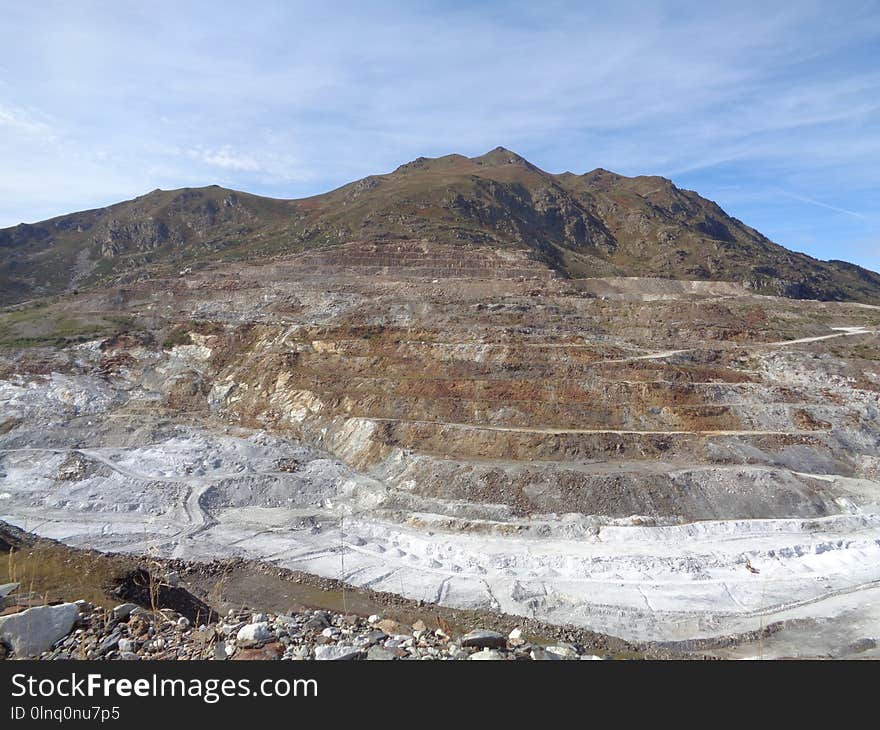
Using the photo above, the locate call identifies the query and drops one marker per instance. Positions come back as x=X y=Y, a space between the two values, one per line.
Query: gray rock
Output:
x=124 y=610
x=126 y=646
x=228 y=629
x=34 y=630
x=108 y=643
x=318 y=622
x=399 y=642
x=483 y=638
x=338 y=652
x=374 y=637
x=377 y=653
x=539 y=655
x=486 y=654
x=563 y=651
x=129 y=656
x=8 y=588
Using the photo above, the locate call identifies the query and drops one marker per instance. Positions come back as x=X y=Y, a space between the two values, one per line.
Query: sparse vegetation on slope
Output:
x=596 y=224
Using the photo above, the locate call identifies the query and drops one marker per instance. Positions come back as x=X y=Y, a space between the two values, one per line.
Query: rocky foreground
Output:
x=80 y=630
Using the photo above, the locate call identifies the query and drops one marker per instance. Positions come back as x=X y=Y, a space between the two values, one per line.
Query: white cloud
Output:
x=227 y=159
x=22 y=123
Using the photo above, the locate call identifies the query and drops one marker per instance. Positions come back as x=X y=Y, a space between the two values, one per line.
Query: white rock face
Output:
x=35 y=630
x=60 y=394
x=212 y=493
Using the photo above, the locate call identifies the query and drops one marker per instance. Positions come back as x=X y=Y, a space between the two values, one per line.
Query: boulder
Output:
x=253 y=633
x=124 y=610
x=563 y=651
x=35 y=630
x=483 y=638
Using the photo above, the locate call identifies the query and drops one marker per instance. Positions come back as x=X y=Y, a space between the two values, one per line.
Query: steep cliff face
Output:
x=596 y=224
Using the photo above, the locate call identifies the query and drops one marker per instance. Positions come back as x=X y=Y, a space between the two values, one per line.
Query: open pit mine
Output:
x=677 y=457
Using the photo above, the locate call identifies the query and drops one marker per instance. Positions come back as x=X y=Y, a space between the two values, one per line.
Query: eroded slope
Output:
x=461 y=425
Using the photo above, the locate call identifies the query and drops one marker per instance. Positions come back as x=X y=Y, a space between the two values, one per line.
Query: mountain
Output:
x=595 y=224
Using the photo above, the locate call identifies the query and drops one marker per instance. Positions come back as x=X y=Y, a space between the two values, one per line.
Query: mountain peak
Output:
x=596 y=224
x=501 y=156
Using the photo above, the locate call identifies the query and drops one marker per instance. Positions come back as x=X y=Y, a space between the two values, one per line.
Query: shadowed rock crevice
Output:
x=140 y=587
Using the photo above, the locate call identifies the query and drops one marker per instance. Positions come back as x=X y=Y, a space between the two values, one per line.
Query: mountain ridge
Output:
x=598 y=223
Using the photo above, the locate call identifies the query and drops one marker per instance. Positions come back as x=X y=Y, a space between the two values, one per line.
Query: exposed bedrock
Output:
x=464 y=427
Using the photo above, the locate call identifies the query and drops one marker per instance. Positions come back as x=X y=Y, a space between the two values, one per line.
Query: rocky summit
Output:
x=582 y=400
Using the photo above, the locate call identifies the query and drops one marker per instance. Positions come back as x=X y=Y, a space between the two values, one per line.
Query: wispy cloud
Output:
x=227 y=159
x=22 y=123
x=820 y=204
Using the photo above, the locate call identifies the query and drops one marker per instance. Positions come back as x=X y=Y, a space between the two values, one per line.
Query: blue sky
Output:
x=772 y=109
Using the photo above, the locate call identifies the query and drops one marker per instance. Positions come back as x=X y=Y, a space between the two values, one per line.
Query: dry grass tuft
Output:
x=54 y=573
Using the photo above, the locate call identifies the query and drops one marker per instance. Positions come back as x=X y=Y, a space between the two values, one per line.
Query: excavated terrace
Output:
x=662 y=461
